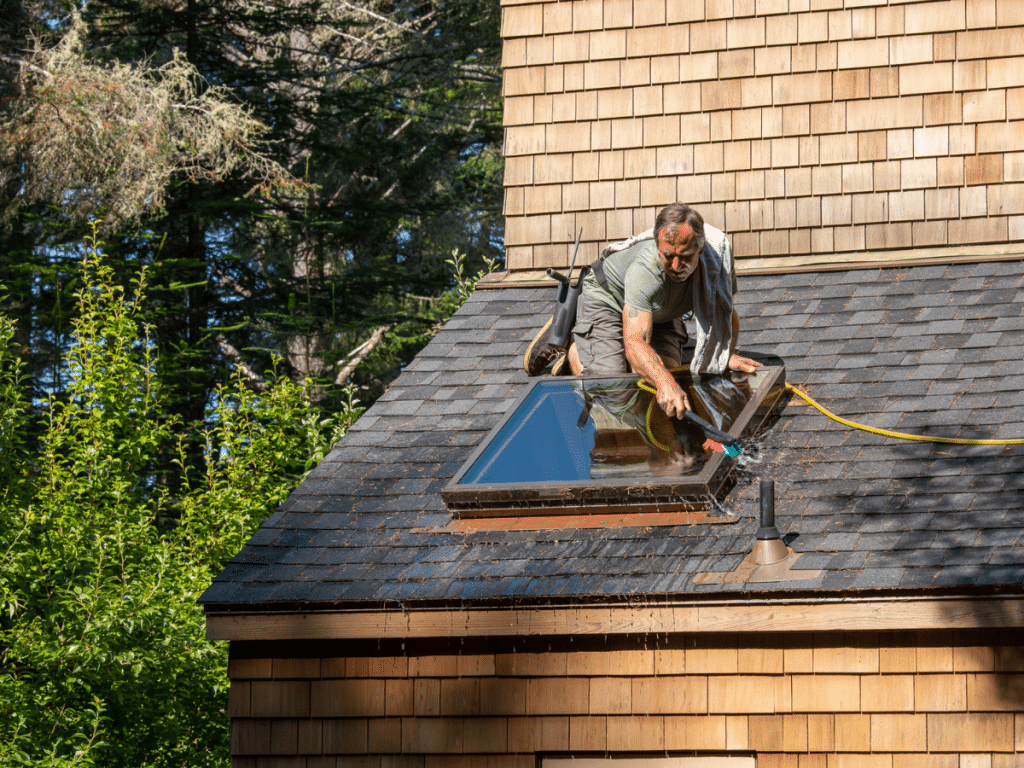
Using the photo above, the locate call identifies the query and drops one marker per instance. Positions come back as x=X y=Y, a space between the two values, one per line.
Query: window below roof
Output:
x=593 y=445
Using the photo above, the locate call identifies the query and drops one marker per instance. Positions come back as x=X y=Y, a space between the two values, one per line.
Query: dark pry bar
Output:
x=731 y=445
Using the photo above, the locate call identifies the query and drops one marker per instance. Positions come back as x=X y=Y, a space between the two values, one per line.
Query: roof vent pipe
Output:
x=769 y=547
x=770 y=559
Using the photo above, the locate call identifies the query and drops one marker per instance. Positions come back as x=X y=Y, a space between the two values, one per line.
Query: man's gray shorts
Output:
x=599 y=344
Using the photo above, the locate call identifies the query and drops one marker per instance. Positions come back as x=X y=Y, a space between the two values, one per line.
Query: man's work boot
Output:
x=561 y=366
x=540 y=354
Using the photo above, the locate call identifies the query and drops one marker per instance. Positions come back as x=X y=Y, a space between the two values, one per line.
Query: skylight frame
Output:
x=690 y=493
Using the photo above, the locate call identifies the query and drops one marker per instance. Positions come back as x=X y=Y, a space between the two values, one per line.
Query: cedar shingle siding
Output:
x=868 y=700
x=798 y=126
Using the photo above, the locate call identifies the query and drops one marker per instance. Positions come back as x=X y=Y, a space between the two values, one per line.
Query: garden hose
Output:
x=715 y=439
x=899 y=435
x=642 y=384
x=650 y=432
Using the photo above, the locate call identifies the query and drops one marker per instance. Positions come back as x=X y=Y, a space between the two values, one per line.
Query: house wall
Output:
x=842 y=700
x=801 y=127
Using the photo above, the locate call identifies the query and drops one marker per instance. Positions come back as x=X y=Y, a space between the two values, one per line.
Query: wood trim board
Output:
x=803 y=616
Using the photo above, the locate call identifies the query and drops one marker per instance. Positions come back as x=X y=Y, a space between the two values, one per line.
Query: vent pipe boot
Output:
x=770 y=560
x=769 y=547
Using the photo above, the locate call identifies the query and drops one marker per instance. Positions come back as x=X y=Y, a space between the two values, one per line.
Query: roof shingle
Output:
x=935 y=350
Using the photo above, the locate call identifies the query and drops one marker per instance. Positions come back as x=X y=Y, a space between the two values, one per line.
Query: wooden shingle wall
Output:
x=800 y=127
x=870 y=700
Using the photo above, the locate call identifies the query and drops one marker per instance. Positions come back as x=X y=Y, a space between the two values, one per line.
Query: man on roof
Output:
x=630 y=315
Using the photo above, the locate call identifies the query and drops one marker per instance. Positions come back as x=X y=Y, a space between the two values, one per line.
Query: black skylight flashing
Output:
x=473 y=493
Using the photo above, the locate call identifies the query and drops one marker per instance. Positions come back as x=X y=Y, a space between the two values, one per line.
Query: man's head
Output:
x=679 y=236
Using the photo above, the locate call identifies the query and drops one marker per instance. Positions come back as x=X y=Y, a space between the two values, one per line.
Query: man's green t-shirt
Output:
x=635 y=277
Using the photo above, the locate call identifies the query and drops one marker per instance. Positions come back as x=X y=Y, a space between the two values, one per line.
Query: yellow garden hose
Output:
x=650 y=431
x=846 y=422
x=714 y=438
x=898 y=435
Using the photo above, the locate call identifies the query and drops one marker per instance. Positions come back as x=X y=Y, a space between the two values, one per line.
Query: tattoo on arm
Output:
x=632 y=312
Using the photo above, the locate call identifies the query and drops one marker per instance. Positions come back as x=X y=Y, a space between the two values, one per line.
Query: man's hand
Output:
x=745 y=364
x=672 y=399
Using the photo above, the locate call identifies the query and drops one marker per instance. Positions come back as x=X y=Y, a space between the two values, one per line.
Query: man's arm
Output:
x=637 y=327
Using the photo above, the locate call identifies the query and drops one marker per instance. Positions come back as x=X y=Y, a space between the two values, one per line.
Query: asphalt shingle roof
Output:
x=935 y=350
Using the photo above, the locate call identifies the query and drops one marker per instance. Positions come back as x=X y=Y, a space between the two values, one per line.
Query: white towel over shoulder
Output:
x=712 y=304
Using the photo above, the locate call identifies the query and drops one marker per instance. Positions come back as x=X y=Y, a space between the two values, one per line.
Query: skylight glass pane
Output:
x=597 y=445
x=584 y=429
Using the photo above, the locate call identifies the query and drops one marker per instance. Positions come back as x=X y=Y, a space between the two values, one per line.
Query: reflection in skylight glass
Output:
x=570 y=430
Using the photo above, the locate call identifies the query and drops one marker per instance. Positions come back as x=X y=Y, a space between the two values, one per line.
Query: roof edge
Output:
x=786 y=265
x=878 y=612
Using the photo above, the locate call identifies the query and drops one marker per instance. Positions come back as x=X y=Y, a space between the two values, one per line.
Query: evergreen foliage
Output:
x=109 y=141
x=103 y=660
x=131 y=473
x=373 y=128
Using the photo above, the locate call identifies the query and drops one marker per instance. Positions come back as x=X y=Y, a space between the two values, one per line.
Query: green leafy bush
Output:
x=103 y=660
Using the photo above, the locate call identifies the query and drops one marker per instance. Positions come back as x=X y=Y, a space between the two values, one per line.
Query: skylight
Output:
x=590 y=445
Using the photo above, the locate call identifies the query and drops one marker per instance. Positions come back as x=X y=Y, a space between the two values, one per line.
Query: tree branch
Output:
x=256 y=381
x=227 y=282
x=357 y=355
x=26 y=64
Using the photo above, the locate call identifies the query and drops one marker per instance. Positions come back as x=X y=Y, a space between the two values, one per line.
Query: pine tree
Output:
x=386 y=116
